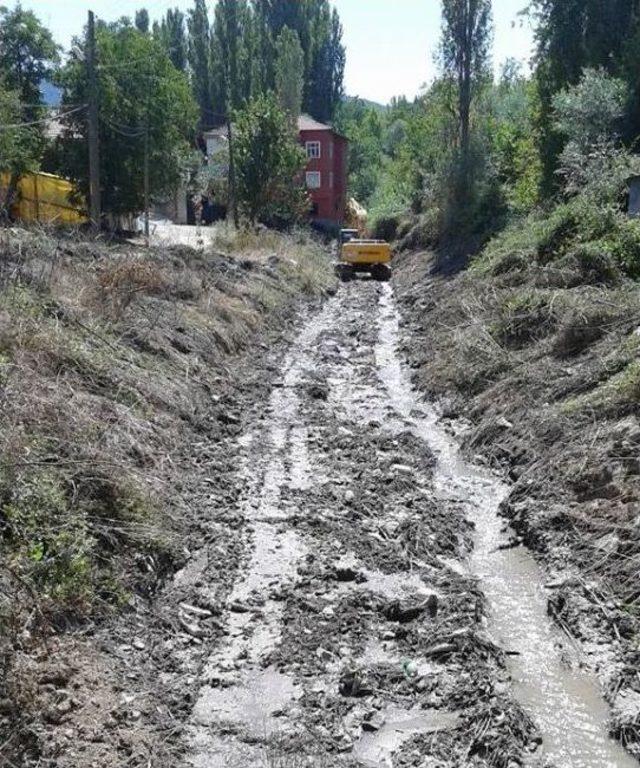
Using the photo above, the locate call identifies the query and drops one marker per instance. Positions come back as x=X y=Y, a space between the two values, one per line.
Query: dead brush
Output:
x=118 y=284
x=578 y=331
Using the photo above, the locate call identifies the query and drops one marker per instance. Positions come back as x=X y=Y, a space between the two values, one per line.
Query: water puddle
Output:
x=376 y=749
x=243 y=696
x=256 y=705
x=565 y=702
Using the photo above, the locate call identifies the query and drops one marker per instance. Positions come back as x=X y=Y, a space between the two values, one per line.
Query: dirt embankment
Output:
x=124 y=376
x=545 y=366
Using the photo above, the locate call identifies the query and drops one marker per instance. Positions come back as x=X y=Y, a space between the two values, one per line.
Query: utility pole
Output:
x=233 y=199
x=146 y=177
x=92 y=112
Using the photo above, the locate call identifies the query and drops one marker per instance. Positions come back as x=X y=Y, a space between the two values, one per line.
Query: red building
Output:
x=326 y=172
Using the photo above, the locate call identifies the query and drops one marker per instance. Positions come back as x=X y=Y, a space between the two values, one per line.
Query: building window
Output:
x=314 y=180
x=331 y=150
x=313 y=150
x=331 y=180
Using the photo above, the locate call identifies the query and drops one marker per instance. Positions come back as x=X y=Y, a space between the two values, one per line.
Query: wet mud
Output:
x=382 y=613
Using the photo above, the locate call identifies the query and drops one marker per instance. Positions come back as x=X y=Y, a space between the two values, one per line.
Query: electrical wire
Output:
x=9 y=127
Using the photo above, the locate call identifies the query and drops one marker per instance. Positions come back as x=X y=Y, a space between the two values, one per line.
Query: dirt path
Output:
x=364 y=626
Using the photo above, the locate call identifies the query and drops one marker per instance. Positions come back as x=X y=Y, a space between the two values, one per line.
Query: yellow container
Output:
x=45 y=198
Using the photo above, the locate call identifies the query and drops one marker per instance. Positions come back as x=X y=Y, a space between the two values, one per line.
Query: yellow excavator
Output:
x=359 y=255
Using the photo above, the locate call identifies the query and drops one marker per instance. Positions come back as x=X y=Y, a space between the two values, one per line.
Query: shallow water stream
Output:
x=299 y=477
x=564 y=701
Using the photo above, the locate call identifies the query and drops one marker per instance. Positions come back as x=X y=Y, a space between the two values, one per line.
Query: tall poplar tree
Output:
x=199 y=58
x=171 y=33
x=466 y=45
x=289 y=73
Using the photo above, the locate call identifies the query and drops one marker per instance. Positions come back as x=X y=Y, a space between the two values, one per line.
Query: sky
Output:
x=390 y=43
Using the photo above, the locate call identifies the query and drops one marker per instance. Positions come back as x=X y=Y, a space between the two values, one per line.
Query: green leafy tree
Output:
x=509 y=121
x=140 y=94
x=290 y=73
x=320 y=34
x=268 y=161
x=28 y=55
x=573 y=35
x=326 y=62
x=19 y=146
x=364 y=128
x=589 y=116
x=232 y=34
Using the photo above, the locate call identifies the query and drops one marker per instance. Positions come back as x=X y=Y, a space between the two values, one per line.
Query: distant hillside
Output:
x=371 y=104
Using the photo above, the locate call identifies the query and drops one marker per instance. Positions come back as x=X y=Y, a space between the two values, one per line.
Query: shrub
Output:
x=386 y=228
x=553 y=233
x=50 y=546
x=424 y=233
x=626 y=247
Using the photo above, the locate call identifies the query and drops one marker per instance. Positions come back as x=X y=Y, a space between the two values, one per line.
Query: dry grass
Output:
x=548 y=373
x=112 y=361
x=108 y=356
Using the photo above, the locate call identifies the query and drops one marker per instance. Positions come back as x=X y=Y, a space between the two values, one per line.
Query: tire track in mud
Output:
x=356 y=633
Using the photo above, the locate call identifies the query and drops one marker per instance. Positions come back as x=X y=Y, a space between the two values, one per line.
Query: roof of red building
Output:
x=307 y=123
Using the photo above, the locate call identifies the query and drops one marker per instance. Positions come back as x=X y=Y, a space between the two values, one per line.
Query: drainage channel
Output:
x=564 y=701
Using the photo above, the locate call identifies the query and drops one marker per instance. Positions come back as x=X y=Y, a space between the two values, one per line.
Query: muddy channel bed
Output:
x=373 y=609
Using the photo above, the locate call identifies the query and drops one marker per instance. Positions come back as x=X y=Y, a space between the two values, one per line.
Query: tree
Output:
x=141 y=94
x=19 y=146
x=27 y=55
x=268 y=161
x=589 y=116
x=326 y=61
x=171 y=32
x=572 y=35
x=290 y=73
x=142 y=21
x=466 y=41
x=231 y=26
x=320 y=35
x=199 y=58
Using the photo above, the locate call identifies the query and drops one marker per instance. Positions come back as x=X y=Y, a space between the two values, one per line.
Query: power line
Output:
x=8 y=127
x=130 y=132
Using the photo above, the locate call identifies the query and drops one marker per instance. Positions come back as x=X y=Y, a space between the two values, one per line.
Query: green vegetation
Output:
x=267 y=158
x=149 y=98
x=538 y=162
x=27 y=55
x=235 y=58
x=289 y=73
x=160 y=84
